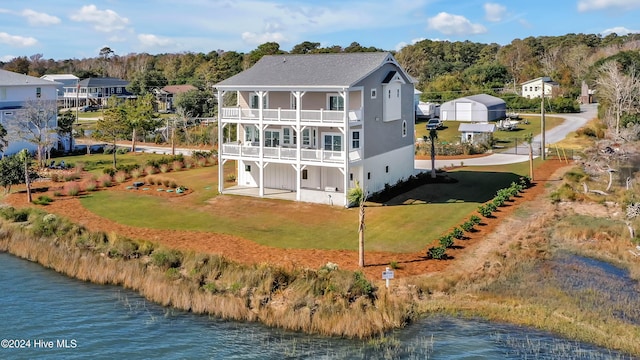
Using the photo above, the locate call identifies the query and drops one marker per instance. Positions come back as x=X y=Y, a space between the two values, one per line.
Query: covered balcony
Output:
x=288 y=116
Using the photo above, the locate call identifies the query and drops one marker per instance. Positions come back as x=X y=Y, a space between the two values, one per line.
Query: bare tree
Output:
x=618 y=90
x=36 y=123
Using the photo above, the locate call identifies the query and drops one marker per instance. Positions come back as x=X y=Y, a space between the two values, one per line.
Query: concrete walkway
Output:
x=572 y=122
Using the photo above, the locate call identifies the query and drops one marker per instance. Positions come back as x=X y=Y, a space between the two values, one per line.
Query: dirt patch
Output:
x=246 y=251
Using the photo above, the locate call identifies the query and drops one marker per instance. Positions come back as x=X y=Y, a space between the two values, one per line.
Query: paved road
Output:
x=572 y=123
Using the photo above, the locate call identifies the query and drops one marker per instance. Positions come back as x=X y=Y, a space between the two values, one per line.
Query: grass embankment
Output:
x=327 y=301
x=521 y=278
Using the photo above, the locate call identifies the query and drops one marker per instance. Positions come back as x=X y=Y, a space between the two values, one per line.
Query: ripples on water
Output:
x=107 y=322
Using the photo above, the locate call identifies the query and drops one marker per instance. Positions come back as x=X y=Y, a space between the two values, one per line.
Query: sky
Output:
x=75 y=29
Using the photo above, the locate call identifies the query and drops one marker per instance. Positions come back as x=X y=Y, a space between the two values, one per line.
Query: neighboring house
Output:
x=96 y=91
x=314 y=125
x=533 y=88
x=16 y=92
x=166 y=96
x=475 y=108
x=63 y=80
x=476 y=133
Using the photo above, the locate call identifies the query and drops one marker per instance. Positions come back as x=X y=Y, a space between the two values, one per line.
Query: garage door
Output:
x=463 y=111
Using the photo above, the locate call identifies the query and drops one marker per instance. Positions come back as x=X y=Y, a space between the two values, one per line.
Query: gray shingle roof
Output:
x=10 y=78
x=313 y=70
x=477 y=127
x=486 y=99
x=103 y=82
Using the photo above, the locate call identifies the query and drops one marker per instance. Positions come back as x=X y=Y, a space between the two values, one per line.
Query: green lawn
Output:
x=411 y=224
x=504 y=139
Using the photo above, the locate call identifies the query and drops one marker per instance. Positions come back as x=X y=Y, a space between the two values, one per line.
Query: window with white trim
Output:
x=288 y=136
x=309 y=137
x=251 y=134
x=374 y=93
x=38 y=92
x=336 y=102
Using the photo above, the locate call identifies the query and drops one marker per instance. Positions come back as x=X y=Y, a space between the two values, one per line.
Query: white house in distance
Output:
x=475 y=108
x=533 y=88
x=16 y=90
x=63 y=80
x=96 y=91
x=315 y=124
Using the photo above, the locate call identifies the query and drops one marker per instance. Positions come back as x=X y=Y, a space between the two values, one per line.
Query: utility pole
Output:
x=542 y=127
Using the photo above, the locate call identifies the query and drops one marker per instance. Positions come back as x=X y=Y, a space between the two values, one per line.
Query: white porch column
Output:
x=261 y=165
x=298 y=129
x=219 y=98
x=345 y=147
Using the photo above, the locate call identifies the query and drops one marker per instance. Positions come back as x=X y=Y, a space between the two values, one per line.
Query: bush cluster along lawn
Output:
x=424 y=215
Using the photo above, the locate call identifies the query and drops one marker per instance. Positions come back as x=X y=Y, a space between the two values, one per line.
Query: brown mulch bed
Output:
x=246 y=251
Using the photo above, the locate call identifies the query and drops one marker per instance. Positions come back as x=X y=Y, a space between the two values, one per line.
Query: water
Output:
x=80 y=320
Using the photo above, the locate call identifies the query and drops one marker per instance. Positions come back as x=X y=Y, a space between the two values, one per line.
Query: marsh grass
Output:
x=327 y=301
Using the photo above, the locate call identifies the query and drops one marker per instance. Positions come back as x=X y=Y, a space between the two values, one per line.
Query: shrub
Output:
x=120 y=177
x=150 y=170
x=475 y=219
x=231 y=178
x=43 y=200
x=105 y=180
x=166 y=258
x=90 y=185
x=446 y=241
x=467 y=226
x=498 y=201
x=457 y=233
x=72 y=188
x=177 y=165
x=484 y=210
x=166 y=182
x=361 y=286
x=136 y=173
x=164 y=168
x=394 y=265
x=437 y=252
x=109 y=171
x=15 y=215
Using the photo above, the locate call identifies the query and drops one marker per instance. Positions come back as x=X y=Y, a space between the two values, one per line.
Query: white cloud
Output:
x=35 y=18
x=619 y=30
x=261 y=38
x=494 y=12
x=587 y=5
x=153 y=41
x=402 y=44
x=7 y=58
x=15 y=40
x=102 y=20
x=450 y=24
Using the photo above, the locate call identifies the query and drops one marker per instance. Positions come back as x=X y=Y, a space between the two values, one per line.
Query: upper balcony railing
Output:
x=288 y=116
x=289 y=154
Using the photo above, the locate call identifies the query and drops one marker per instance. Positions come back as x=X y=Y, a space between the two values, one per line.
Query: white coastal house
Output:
x=96 y=91
x=533 y=88
x=314 y=125
x=18 y=95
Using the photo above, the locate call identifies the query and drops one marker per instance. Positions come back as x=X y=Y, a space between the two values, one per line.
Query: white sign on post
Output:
x=387 y=275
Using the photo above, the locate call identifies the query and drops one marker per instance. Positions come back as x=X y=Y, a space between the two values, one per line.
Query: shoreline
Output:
x=275 y=304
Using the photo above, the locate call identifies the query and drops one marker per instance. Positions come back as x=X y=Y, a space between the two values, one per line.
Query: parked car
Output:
x=434 y=124
x=89 y=108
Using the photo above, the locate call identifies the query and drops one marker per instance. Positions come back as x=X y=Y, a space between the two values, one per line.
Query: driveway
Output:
x=572 y=122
